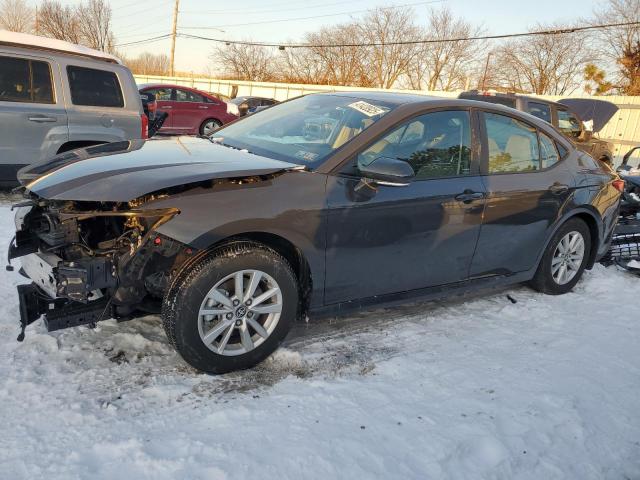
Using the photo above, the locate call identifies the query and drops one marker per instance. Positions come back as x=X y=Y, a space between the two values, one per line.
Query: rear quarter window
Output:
x=94 y=88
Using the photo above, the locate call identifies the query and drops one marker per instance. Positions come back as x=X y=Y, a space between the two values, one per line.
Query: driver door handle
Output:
x=469 y=196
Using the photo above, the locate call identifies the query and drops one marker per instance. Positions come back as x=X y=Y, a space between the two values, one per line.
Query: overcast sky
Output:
x=144 y=19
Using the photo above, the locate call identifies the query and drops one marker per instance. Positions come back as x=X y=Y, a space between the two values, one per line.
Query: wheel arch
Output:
x=595 y=228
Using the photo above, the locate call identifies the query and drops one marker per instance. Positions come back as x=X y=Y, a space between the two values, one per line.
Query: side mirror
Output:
x=388 y=171
x=243 y=108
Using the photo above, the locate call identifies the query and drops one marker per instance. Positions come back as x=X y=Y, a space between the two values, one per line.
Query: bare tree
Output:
x=620 y=43
x=551 y=64
x=149 y=64
x=94 y=22
x=58 y=21
x=446 y=65
x=245 y=62
x=16 y=16
x=300 y=65
x=341 y=65
x=387 y=60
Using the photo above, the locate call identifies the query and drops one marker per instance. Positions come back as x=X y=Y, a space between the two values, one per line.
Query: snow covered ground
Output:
x=546 y=388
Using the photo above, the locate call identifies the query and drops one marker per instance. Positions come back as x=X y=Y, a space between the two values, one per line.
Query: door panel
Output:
x=386 y=239
x=520 y=211
x=523 y=202
x=32 y=112
x=189 y=111
x=401 y=238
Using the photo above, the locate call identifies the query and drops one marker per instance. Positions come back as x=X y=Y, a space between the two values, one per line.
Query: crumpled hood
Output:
x=123 y=171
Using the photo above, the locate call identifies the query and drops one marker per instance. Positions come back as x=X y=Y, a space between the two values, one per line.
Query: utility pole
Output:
x=486 y=67
x=173 y=38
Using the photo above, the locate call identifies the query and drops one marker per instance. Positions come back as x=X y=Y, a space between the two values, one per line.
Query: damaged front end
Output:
x=90 y=261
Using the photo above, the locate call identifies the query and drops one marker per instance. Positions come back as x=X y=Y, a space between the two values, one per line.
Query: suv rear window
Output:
x=24 y=80
x=95 y=88
x=540 y=110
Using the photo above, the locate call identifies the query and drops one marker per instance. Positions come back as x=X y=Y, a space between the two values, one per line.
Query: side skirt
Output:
x=423 y=294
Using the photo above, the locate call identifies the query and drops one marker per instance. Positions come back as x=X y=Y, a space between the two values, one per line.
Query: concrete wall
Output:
x=623 y=130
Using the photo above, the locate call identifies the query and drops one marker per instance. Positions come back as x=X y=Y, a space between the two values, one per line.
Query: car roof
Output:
x=144 y=86
x=513 y=96
x=25 y=40
x=390 y=97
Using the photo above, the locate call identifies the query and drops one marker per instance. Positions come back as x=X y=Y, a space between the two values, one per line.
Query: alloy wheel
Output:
x=209 y=127
x=240 y=312
x=567 y=258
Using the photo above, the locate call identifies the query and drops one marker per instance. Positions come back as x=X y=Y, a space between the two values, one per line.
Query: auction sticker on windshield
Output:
x=368 y=109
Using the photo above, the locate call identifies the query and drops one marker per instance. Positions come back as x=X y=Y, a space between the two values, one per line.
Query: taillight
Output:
x=144 y=134
x=618 y=185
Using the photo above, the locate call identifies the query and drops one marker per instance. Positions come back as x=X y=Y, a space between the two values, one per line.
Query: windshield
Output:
x=305 y=130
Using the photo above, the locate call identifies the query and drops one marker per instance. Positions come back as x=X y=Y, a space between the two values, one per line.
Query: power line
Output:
x=146 y=40
x=308 y=18
x=558 y=31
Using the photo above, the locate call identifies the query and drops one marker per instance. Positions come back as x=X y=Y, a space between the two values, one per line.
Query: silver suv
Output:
x=56 y=96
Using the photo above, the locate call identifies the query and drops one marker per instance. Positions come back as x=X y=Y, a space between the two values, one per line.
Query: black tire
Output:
x=543 y=280
x=180 y=309
x=217 y=123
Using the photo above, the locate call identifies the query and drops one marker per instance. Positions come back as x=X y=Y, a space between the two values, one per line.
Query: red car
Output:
x=191 y=112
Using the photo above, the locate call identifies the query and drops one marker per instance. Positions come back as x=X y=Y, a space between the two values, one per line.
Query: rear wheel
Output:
x=209 y=126
x=564 y=260
x=231 y=310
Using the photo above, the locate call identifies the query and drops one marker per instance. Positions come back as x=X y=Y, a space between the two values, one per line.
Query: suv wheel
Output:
x=209 y=126
x=230 y=310
x=564 y=260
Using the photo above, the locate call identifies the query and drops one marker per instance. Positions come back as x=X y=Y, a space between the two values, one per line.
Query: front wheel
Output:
x=231 y=310
x=564 y=259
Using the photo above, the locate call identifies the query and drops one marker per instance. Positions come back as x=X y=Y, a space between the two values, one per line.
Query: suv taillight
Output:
x=144 y=121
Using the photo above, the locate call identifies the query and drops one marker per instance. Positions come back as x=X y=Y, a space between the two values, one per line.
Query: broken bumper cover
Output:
x=58 y=313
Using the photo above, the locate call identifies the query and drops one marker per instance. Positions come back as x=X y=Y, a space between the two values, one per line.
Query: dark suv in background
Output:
x=557 y=114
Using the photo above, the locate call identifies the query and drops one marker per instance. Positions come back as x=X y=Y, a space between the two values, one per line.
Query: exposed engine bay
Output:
x=92 y=260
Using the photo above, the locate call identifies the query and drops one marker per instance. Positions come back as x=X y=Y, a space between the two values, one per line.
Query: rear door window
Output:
x=94 y=88
x=23 y=80
x=540 y=110
x=513 y=144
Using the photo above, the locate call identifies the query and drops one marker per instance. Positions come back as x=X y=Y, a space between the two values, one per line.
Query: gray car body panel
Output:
x=127 y=170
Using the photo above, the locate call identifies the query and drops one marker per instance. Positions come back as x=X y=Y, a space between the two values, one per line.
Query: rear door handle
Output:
x=558 y=188
x=166 y=107
x=203 y=107
x=43 y=119
x=469 y=196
